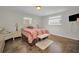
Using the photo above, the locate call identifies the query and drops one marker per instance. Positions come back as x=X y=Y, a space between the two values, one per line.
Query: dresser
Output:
x=7 y=36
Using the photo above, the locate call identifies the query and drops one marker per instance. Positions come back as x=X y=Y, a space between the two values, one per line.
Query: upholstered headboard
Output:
x=31 y=27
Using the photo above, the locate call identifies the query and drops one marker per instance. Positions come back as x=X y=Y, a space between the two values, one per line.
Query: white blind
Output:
x=54 y=20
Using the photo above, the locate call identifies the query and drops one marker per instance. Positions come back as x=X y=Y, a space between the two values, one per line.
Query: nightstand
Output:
x=3 y=38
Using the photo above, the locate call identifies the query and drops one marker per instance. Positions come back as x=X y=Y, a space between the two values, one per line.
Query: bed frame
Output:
x=26 y=40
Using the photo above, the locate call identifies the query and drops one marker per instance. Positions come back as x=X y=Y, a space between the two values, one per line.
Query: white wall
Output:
x=8 y=19
x=67 y=29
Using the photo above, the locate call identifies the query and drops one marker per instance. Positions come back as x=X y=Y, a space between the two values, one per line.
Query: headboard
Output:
x=31 y=27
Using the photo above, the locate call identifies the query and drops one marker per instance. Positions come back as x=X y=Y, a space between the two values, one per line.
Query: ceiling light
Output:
x=38 y=7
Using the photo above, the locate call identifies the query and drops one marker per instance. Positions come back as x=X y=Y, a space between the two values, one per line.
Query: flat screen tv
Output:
x=73 y=17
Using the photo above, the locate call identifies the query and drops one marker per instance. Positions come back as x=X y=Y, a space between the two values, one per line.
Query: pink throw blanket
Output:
x=33 y=33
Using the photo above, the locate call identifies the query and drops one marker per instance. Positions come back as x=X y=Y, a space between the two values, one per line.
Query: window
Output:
x=54 y=20
x=27 y=21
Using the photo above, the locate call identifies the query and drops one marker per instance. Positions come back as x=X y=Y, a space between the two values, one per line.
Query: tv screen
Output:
x=73 y=17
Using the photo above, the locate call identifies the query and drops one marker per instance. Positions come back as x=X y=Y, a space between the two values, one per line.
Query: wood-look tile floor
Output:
x=60 y=45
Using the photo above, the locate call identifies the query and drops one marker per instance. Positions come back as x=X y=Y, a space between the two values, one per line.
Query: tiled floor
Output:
x=60 y=45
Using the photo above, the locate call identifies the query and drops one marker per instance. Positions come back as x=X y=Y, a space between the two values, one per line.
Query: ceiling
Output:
x=45 y=10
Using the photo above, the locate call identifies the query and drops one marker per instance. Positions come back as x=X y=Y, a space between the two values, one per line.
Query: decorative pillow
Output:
x=39 y=31
x=44 y=31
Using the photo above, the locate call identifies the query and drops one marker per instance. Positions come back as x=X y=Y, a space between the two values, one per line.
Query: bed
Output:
x=32 y=35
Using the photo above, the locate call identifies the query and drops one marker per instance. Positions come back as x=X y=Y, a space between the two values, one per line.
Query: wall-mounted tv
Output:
x=73 y=17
